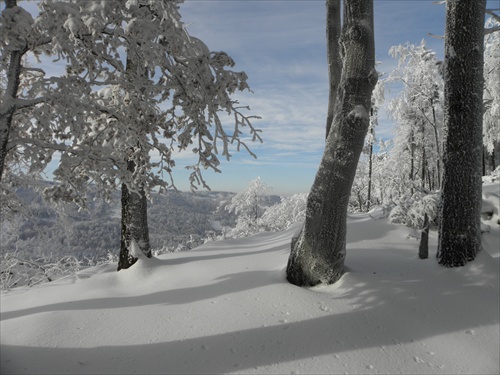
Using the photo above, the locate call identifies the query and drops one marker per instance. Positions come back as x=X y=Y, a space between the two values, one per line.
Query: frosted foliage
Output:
x=426 y=205
x=378 y=94
x=382 y=187
x=254 y=214
x=397 y=215
x=31 y=271
x=136 y=87
x=282 y=215
x=491 y=119
x=418 y=111
x=494 y=176
x=248 y=205
x=378 y=97
x=411 y=211
x=248 y=201
x=17 y=28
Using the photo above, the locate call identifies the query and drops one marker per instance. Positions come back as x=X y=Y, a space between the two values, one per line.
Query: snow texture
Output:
x=226 y=307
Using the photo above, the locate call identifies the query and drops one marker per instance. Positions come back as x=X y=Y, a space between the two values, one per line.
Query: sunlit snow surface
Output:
x=226 y=307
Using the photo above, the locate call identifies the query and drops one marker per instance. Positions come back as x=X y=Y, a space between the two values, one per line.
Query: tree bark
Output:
x=8 y=107
x=333 y=27
x=423 y=249
x=134 y=229
x=317 y=255
x=134 y=225
x=459 y=231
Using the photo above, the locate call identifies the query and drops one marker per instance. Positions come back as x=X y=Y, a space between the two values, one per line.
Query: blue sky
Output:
x=281 y=45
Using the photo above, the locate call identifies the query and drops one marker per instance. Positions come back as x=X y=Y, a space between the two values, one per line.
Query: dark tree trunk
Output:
x=134 y=225
x=424 y=168
x=134 y=228
x=370 y=172
x=8 y=106
x=317 y=255
x=484 y=161
x=423 y=249
x=333 y=26
x=412 y=160
x=459 y=231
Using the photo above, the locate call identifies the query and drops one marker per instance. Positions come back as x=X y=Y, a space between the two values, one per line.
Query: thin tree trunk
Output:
x=424 y=157
x=424 y=168
x=459 y=231
x=423 y=248
x=370 y=172
x=436 y=138
x=317 y=255
x=412 y=160
x=484 y=161
x=333 y=26
x=8 y=106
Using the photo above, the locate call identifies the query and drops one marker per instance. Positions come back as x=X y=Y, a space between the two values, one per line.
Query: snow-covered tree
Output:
x=317 y=255
x=377 y=100
x=277 y=217
x=460 y=209
x=248 y=205
x=491 y=119
x=418 y=110
x=19 y=82
x=282 y=215
x=137 y=86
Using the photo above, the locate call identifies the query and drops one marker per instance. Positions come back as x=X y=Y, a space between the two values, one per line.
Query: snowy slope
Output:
x=226 y=307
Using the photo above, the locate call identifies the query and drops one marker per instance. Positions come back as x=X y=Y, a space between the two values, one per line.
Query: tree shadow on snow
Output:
x=442 y=310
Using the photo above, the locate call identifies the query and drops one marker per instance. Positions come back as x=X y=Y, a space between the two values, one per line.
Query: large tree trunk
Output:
x=134 y=229
x=333 y=27
x=317 y=255
x=8 y=107
x=135 y=232
x=459 y=231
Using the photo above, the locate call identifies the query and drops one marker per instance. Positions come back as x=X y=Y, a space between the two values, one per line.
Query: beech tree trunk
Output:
x=333 y=27
x=317 y=255
x=134 y=225
x=134 y=229
x=459 y=231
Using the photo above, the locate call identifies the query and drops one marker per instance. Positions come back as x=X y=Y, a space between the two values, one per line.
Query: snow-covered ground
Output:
x=226 y=307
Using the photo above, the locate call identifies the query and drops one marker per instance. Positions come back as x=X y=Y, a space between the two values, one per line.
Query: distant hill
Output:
x=177 y=221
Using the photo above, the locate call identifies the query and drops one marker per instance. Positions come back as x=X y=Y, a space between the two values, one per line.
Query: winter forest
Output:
x=389 y=263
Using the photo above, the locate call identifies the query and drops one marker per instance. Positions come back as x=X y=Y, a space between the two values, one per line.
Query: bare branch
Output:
x=436 y=36
x=491 y=30
x=25 y=103
x=492 y=14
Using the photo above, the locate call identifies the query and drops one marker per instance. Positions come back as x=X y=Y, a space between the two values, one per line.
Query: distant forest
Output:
x=177 y=220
